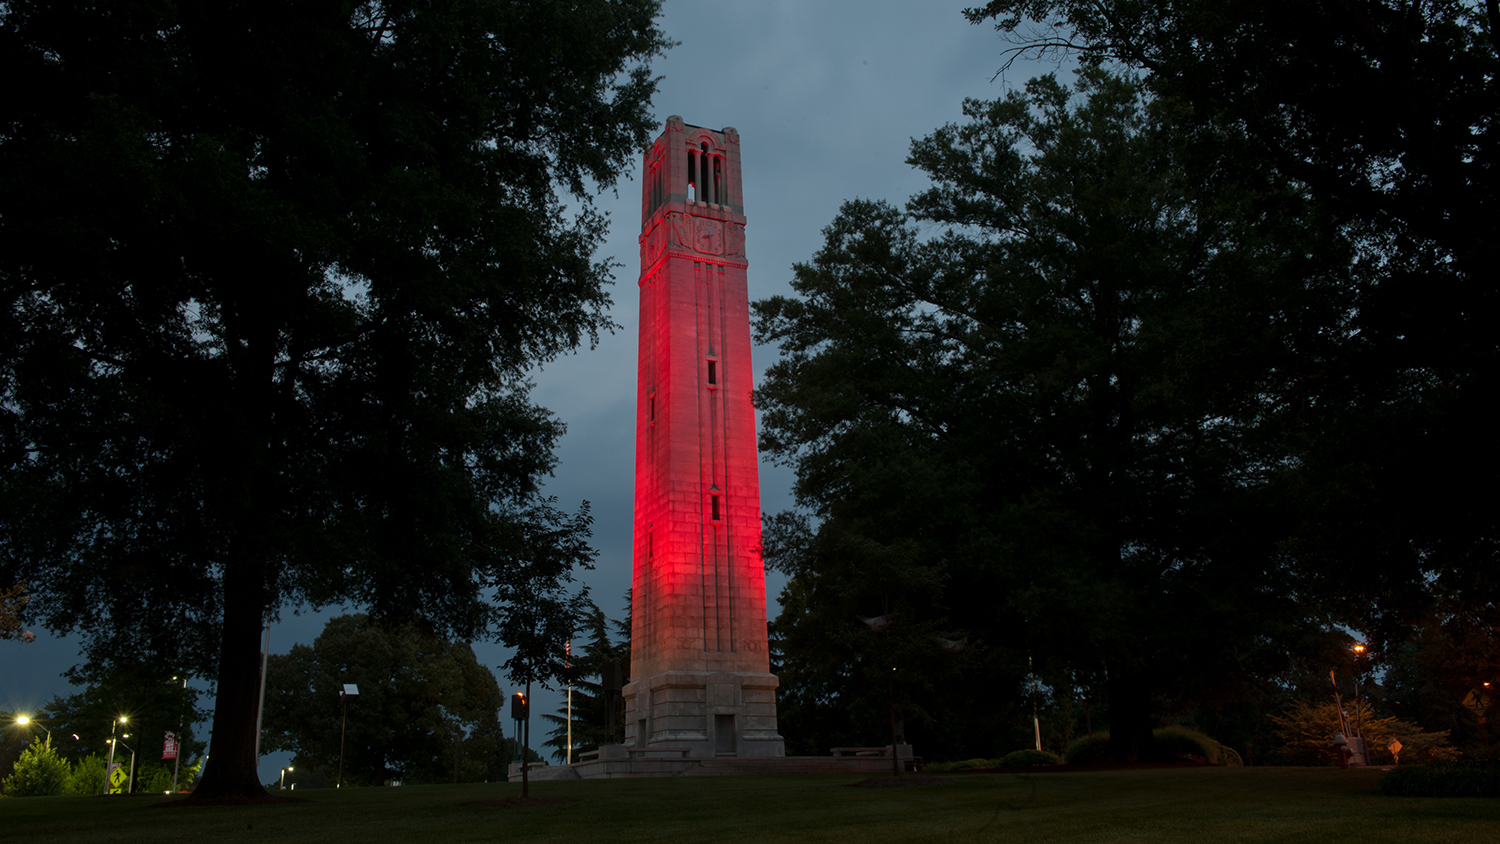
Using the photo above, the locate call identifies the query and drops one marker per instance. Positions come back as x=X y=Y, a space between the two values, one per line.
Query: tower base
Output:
x=703 y=715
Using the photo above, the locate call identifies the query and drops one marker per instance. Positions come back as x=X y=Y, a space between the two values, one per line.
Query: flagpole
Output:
x=569 y=665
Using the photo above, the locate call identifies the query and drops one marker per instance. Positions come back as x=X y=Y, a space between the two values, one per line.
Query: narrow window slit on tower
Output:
x=703 y=178
x=692 y=175
x=714 y=506
x=713 y=372
x=718 y=183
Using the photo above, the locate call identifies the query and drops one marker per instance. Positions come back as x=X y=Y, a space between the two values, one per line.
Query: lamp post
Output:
x=1359 y=715
x=181 y=717
x=113 y=725
x=349 y=691
x=283 y=776
x=130 y=786
x=568 y=667
x=25 y=720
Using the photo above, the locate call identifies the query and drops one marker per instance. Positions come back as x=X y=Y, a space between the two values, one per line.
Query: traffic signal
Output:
x=520 y=709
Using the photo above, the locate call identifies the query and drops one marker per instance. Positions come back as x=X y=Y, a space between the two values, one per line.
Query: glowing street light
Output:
x=129 y=789
x=113 y=725
x=1359 y=715
x=25 y=720
x=283 y=776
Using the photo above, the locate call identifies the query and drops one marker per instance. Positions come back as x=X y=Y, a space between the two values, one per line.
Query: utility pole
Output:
x=181 y=719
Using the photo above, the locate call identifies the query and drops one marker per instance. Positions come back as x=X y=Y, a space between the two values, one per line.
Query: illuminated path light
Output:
x=700 y=675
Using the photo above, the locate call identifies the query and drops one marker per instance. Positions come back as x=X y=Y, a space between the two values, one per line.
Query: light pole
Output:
x=568 y=667
x=1359 y=715
x=25 y=720
x=283 y=776
x=130 y=786
x=349 y=691
x=111 y=764
x=181 y=717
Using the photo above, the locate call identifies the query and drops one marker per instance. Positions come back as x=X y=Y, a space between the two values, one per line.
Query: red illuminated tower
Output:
x=700 y=675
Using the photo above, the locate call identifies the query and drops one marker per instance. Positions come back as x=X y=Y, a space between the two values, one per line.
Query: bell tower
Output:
x=700 y=673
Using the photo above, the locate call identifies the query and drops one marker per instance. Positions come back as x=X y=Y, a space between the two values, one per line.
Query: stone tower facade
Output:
x=700 y=675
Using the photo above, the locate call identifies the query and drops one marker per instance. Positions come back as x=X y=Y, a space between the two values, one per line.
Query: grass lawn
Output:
x=1192 y=805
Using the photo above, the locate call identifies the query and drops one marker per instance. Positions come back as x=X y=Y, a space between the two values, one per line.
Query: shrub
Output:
x=87 y=776
x=1027 y=758
x=1307 y=734
x=1172 y=742
x=1444 y=779
x=1093 y=747
x=964 y=765
x=973 y=765
x=39 y=772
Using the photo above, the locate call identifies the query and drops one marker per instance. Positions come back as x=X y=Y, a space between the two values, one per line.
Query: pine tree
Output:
x=608 y=643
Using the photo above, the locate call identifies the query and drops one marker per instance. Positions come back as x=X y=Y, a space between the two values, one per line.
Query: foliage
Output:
x=1084 y=750
x=153 y=701
x=1171 y=743
x=590 y=703
x=1430 y=677
x=1023 y=414
x=976 y=764
x=271 y=277
x=1183 y=742
x=12 y=610
x=86 y=775
x=1307 y=733
x=1444 y=779
x=39 y=772
x=1384 y=112
x=421 y=699
x=1026 y=758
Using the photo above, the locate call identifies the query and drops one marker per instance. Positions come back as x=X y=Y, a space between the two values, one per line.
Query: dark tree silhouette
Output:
x=1037 y=425
x=271 y=278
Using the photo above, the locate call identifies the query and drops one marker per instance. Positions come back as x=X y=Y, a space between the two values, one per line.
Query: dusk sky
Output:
x=826 y=97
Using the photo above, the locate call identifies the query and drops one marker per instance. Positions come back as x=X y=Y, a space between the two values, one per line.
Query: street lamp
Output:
x=349 y=691
x=1359 y=715
x=130 y=787
x=181 y=718
x=111 y=764
x=25 y=720
x=283 y=776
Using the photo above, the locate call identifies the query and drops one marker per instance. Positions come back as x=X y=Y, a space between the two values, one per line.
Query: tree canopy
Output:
x=271 y=277
x=153 y=701
x=1385 y=113
x=1026 y=412
x=422 y=699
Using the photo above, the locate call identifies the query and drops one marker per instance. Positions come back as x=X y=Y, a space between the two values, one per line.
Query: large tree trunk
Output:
x=1130 y=738
x=232 y=770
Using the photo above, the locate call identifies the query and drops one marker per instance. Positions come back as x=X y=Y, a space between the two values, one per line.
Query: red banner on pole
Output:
x=169 y=747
